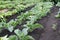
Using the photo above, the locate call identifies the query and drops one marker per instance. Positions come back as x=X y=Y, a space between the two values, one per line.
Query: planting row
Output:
x=8 y=8
x=30 y=17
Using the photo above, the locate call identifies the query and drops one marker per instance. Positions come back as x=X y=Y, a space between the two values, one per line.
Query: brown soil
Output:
x=49 y=33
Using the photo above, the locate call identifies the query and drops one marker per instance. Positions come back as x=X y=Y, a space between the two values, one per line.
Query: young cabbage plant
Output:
x=33 y=26
x=58 y=14
x=23 y=35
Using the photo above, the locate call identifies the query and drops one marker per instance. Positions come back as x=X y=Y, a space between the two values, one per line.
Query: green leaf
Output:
x=23 y=35
x=58 y=4
x=25 y=31
x=13 y=37
x=10 y=28
x=33 y=26
x=4 y=38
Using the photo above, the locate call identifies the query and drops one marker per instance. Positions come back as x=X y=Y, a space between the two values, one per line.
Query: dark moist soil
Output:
x=19 y=13
x=42 y=34
x=48 y=33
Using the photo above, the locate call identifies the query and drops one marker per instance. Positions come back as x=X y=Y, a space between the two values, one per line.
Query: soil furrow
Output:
x=49 y=33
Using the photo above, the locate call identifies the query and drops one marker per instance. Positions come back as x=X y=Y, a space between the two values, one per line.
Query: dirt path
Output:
x=49 y=33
